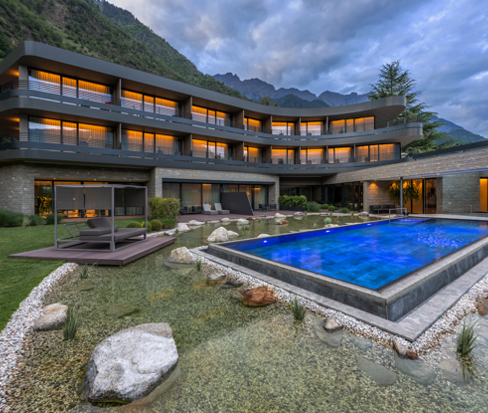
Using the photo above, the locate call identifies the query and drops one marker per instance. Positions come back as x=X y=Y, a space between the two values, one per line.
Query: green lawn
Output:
x=18 y=277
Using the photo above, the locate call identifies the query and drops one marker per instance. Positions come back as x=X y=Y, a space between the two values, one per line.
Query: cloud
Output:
x=337 y=45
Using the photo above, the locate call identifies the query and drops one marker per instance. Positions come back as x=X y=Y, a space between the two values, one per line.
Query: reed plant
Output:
x=297 y=310
x=466 y=340
x=198 y=262
x=70 y=324
x=327 y=221
x=85 y=270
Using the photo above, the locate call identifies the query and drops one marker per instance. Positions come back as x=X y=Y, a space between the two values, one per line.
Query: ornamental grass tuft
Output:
x=198 y=262
x=85 y=270
x=466 y=340
x=297 y=310
x=71 y=324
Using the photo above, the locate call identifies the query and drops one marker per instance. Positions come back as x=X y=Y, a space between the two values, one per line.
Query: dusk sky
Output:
x=337 y=45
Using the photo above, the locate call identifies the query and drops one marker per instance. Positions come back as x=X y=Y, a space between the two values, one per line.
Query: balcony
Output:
x=16 y=89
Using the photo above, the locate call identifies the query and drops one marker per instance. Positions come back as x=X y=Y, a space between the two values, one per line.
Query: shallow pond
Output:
x=232 y=358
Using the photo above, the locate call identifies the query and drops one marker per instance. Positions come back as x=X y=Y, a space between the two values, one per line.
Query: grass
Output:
x=85 y=270
x=199 y=263
x=20 y=276
x=71 y=324
x=466 y=340
x=297 y=310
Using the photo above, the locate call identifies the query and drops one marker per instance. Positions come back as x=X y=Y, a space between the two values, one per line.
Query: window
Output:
x=70 y=133
x=132 y=141
x=362 y=153
x=283 y=156
x=148 y=104
x=311 y=156
x=389 y=151
x=131 y=100
x=166 y=144
x=70 y=87
x=252 y=154
x=166 y=107
x=199 y=148
x=95 y=136
x=373 y=153
x=44 y=82
x=94 y=92
x=148 y=142
x=253 y=125
x=210 y=194
x=339 y=155
x=351 y=125
x=191 y=195
x=310 y=128
x=171 y=190
x=210 y=116
x=283 y=128
x=44 y=130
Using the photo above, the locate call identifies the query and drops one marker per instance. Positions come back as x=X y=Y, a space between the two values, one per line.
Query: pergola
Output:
x=99 y=230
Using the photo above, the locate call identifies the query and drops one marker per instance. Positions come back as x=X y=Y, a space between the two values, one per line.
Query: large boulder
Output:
x=279 y=217
x=130 y=364
x=53 y=316
x=196 y=223
x=263 y=236
x=216 y=278
x=183 y=228
x=242 y=221
x=221 y=234
x=256 y=297
x=331 y=325
x=331 y=226
x=181 y=256
x=299 y=214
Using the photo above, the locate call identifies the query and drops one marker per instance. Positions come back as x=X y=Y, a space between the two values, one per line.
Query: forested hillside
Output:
x=101 y=30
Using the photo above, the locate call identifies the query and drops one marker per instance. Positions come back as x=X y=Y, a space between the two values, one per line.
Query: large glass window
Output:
x=230 y=188
x=171 y=190
x=283 y=128
x=131 y=100
x=148 y=142
x=132 y=141
x=43 y=193
x=311 y=156
x=373 y=153
x=211 y=194
x=339 y=155
x=94 y=92
x=283 y=156
x=362 y=153
x=252 y=154
x=166 y=107
x=166 y=144
x=210 y=116
x=191 y=195
x=44 y=130
x=351 y=125
x=310 y=128
x=388 y=151
x=70 y=133
x=222 y=150
x=148 y=104
x=253 y=125
x=95 y=136
x=199 y=148
x=70 y=87
x=431 y=196
x=44 y=82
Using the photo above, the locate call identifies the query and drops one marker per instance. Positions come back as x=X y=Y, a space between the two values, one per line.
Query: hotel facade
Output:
x=67 y=118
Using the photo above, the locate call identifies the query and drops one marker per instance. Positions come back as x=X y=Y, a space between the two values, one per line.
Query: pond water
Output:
x=232 y=358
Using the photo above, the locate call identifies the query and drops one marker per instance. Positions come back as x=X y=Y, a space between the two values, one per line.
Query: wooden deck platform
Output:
x=121 y=257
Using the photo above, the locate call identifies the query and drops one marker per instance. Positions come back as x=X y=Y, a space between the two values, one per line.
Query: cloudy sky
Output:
x=337 y=45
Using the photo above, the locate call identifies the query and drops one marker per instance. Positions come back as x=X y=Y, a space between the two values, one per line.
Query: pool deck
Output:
x=121 y=257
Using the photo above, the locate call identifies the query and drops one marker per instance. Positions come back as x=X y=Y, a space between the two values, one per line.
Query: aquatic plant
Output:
x=206 y=221
x=315 y=226
x=177 y=231
x=327 y=221
x=297 y=310
x=71 y=324
x=265 y=216
x=217 y=240
x=199 y=263
x=85 y=270
x=466 y=340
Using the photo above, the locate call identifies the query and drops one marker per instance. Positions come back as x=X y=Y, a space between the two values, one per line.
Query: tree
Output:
x=267 y=101
x=394 y=81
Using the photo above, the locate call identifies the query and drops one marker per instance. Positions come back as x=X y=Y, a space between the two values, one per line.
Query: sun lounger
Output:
x=208 y=211
x=221 y=211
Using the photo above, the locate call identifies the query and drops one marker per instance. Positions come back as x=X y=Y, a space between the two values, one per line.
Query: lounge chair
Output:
x=221 y=211
x=208 y=211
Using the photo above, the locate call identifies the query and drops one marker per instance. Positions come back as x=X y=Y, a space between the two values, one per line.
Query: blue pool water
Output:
x=369 y=255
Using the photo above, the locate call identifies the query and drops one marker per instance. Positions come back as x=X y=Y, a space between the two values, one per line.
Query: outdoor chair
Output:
x=221 y=211
x=208 y=211
x=184 y=210
x=262 y=207
x=196 y=209
x=273 y=206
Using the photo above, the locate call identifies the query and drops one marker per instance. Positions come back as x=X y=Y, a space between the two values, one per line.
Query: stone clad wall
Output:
x=461 y=192
x=17 y=181
x=374 y=193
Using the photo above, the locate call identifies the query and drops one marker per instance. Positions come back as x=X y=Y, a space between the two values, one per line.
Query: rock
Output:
x=183 y=228
x=331 y=339
x=278 y=215
x=284 y=222
x=225 y=220
x=181 y=256
x=232 y=284
x=196 y=223
x=298 y=214
x=121 y=310
x=85 y=286
x=249 y=219
x=242 y=221
x=130 y=364
x=263 y=236
x=453 y=370
x=255 y=297
x=404 y=352
x=222 y=235
x=361 y=343
x=331 y=226
x=331 y=325
x=416 y=369
x=481 y=309
x=52 y=316
x=215 y=278
x=381 y=375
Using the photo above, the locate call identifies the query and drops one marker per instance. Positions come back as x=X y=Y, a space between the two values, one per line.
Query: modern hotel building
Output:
x=70 y=118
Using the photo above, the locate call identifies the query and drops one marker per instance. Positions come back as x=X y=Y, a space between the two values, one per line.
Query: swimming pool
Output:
x=371 y=255
x=386 y=268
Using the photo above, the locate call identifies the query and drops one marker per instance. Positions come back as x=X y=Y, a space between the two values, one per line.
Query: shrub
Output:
x=50 y=219
x=10 y=218
x=327 y=221
x=133 y=224
x=149 y=226
x=168 y=223
x=331 y=208
x=164 y=208
x=156 y=225
x=313 y=207
x=37 y=220
x=299 y=201
x=344 y=210
x=324 y=206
